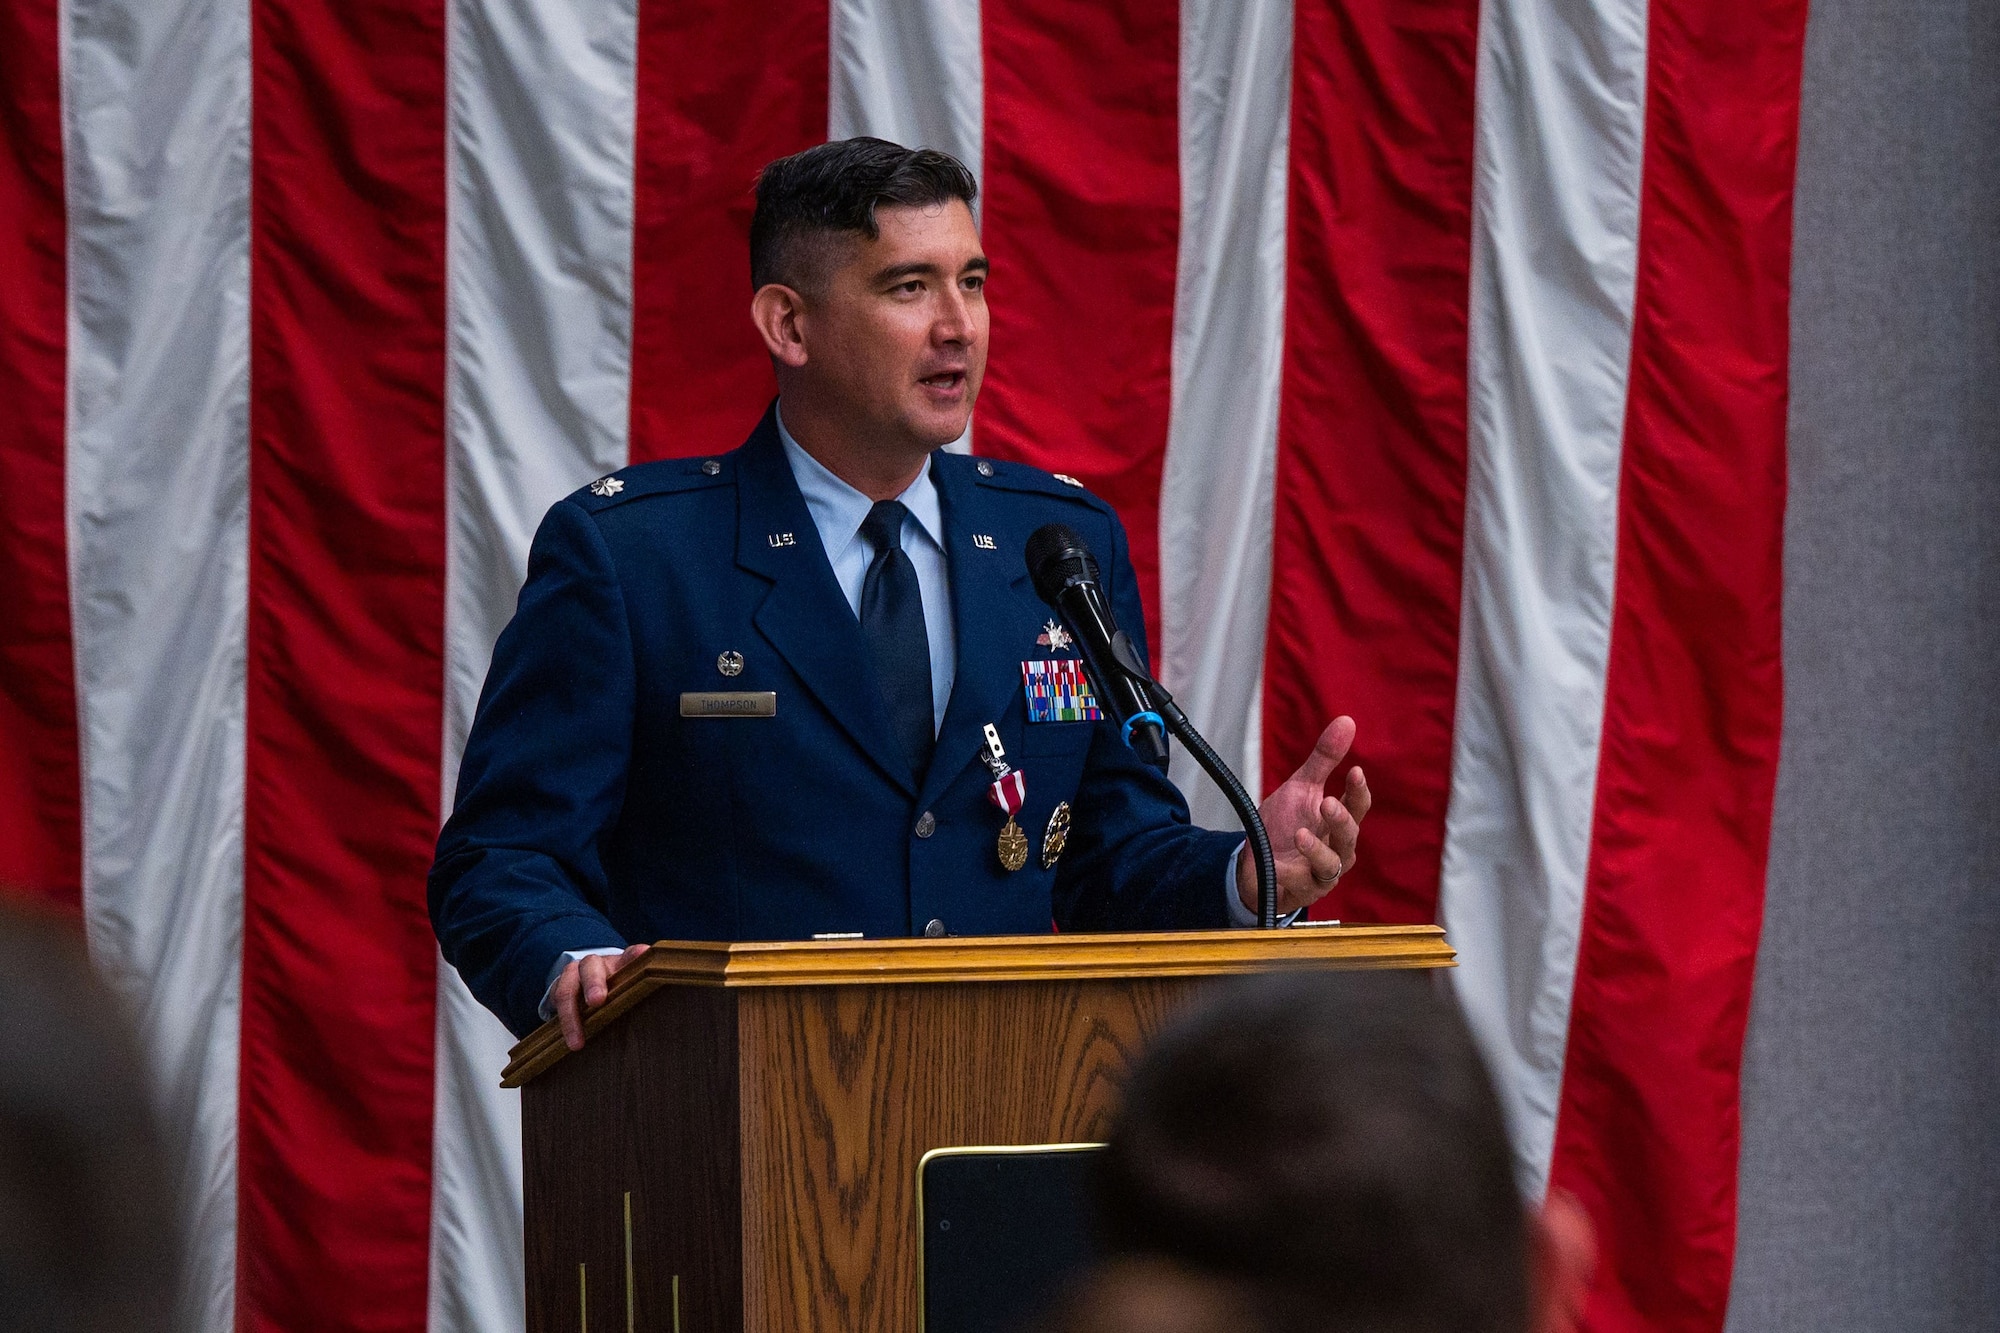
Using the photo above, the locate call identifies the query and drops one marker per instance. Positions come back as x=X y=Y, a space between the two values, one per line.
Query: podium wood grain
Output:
x=767 y=1129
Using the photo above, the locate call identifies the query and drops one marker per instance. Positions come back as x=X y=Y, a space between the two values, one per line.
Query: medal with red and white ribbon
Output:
x=1009 y=791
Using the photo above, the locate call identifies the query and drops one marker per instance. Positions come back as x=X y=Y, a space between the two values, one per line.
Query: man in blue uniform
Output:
x=806 y=687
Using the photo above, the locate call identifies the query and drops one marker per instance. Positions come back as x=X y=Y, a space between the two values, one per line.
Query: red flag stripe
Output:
x=345 y=669
x=1647 y=1131
x=40 y=837
x=1082 y=211
x=1370 y=504
x=723 y=89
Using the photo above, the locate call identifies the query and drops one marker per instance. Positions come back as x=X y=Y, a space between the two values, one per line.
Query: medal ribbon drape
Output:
x=1009 y=791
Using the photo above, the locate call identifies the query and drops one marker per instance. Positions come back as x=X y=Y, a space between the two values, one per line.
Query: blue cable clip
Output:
x=1137 y=718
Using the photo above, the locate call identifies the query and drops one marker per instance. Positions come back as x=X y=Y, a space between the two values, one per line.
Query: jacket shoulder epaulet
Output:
x=666 y=476
x=1000 y=474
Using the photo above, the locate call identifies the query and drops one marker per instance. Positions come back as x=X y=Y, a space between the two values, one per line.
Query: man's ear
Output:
x=1562 y=1256
x=779 y=313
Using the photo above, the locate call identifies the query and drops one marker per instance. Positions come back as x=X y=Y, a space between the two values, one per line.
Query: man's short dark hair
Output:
x=812 y=198
x=1332 y=1143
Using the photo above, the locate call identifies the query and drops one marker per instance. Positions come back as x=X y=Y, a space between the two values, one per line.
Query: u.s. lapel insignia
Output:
x=1054 y=637
x=982 y=541
x=1057 y=836
x=780 y=539
x=605 y=487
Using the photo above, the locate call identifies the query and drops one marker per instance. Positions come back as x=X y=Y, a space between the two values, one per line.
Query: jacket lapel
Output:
x=805 y=615
x=991 y=599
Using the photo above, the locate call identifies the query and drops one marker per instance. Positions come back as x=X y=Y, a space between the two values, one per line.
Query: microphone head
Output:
x=1056 y=558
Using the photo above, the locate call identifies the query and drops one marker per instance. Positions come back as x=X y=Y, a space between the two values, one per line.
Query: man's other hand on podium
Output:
x=584 y=985
x=1313 y=836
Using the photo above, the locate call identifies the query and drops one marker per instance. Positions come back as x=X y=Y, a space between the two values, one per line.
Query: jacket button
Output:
x=926 y=824
x=934 y=930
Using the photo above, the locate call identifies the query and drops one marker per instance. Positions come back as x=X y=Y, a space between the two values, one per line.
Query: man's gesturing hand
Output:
x=1312 y=834
x=583 y=986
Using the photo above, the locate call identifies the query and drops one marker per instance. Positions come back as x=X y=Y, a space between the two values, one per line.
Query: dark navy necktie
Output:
x=892 y=620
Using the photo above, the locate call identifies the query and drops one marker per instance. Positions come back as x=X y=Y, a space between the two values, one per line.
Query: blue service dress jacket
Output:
x=591 y=812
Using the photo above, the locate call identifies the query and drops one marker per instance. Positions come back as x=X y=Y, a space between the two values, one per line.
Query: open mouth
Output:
x=945 y=381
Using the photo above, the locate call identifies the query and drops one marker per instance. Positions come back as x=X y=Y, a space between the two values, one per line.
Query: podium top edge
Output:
x=1011 y=957
x=1081 y=956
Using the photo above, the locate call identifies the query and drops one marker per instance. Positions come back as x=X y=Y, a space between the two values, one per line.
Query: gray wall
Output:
x=1871 y=1105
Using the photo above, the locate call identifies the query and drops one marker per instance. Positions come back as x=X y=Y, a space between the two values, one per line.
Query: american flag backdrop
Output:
x=1433 y=351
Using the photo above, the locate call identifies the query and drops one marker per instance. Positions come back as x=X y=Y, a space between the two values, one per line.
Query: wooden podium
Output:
x=736 y=1146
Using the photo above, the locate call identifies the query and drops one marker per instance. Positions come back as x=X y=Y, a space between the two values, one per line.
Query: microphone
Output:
x=1066 y=577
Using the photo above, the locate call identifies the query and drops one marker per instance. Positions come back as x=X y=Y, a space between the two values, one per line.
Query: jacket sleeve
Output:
x=518 y=877
x=1136 y=862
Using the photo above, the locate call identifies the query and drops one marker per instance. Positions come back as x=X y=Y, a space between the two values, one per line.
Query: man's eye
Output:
x=975 y=283
x=912 y=287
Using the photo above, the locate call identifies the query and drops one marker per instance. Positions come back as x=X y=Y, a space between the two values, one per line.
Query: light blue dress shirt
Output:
x=838 y=510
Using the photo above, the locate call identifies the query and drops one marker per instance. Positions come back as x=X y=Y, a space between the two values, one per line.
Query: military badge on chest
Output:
x=1009 y=791
x=1058 y=690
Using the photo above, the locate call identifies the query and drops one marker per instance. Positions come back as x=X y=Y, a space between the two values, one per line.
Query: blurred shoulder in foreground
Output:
x=87 y=1226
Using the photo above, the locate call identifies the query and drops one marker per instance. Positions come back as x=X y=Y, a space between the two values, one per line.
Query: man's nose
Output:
x=953 y=325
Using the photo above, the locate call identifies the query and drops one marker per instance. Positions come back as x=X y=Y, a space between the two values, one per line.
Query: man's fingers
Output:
x=1357 y=797
x=1322 y=861
x=564 y=998
x=596 y=980
x=1327 y=752
x=584 y=985
x=1342 y=829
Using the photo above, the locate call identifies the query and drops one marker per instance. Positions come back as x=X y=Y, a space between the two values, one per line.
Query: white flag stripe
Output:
x=541 y=144
x=1557 y=167
x=156 y=129
x=912 y=72
x=909 y=71
x=1228 y=356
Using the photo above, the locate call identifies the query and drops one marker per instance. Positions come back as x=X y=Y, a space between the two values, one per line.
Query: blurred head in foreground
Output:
x=1325 y=1151
x=86 y=1220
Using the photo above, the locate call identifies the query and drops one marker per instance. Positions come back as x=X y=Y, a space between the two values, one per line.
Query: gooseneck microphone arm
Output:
x=1225 y=778
x=1065 y=576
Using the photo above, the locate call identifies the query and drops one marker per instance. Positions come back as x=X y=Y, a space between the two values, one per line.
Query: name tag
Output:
x=730 y=703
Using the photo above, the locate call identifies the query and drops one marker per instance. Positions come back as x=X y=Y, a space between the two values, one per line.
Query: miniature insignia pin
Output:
x=985 y=468
x=710 y=468
x=1057 y=836
x=1054 y=637
x=781 y=539
x=606 y=486
x=1066 y=479
x=730 y=663
x=993 y=754
x=982 y=541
